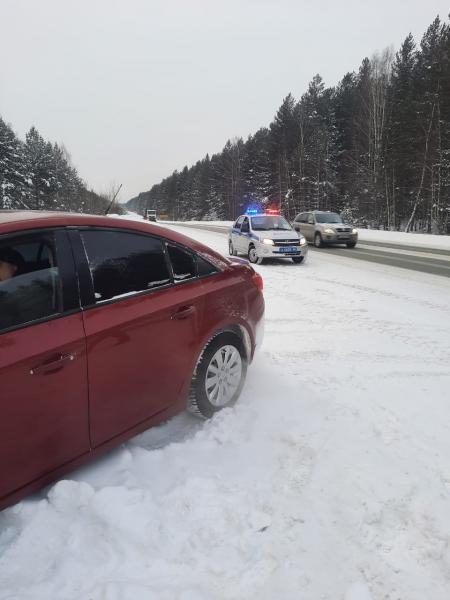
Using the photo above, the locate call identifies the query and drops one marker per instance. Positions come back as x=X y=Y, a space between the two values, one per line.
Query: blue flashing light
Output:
x=253 y=210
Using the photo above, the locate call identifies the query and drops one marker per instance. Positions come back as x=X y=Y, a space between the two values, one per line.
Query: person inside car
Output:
x=11 y=263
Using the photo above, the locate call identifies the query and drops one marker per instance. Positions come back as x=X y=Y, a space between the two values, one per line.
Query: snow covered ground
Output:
x=329 y=480
x=420 y=240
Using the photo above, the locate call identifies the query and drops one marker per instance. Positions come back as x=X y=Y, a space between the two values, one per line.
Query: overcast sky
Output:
x=138 y=88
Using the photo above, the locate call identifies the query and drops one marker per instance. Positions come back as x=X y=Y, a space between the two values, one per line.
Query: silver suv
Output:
x=325 y=228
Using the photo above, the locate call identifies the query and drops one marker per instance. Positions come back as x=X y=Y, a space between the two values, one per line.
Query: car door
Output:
x=307 y=228
x=298 y=221
x=43 y=367
x=245 y=236
x=236 y=235
x=141 y=321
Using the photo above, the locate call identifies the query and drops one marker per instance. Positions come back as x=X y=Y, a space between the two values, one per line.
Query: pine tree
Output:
x=402 y=135
x=39 y=158
x=284 y=134
x=317 y=148
x=14 y=184
x=344 y=106
x=430 y=105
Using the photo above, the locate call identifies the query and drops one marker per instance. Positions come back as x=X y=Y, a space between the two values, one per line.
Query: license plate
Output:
x=288 y=249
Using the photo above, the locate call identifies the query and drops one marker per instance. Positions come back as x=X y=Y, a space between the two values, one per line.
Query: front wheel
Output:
x=253 y=256
x=231 y=250
x=219 y=375
x=351 y=244
x=318 y=242
x=297 y=259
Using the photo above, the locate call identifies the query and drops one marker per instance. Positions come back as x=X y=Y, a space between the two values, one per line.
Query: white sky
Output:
x=136 y=89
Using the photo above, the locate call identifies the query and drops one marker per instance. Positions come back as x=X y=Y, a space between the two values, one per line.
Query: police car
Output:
x=266 y=235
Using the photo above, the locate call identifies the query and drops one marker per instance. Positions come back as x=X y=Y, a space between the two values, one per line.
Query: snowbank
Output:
x=420 y=240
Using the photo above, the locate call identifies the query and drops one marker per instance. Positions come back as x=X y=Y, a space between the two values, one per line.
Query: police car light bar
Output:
x=272 y=211
x=253 y=211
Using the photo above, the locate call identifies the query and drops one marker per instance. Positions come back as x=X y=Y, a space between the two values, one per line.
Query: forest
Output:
x=375 y=147
x=36 y=174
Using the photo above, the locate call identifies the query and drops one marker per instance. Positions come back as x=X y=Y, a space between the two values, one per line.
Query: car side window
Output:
x=238 y=223
x=124 y=262
x=300 y=218
x=245 y=226
x=204 y=267
x=183 y=263
x=30 y=285
x=310 y=219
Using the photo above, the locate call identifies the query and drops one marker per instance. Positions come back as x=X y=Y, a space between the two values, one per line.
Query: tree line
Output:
x=375 y=147
x=36 y=174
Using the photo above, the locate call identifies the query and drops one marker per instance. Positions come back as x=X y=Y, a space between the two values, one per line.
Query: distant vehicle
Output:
x=324 y=228
x=107 y=327
x=150 y=215
x=266 y=235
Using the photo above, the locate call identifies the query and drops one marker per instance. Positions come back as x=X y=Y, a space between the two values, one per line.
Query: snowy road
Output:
x=427 y=259
x=330 y=480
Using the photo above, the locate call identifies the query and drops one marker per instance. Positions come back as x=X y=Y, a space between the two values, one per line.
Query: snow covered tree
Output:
x=14 y=183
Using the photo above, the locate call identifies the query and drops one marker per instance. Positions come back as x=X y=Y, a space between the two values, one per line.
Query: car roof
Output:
x=12 y=221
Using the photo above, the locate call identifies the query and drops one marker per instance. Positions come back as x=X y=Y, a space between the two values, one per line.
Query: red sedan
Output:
x=107 y=327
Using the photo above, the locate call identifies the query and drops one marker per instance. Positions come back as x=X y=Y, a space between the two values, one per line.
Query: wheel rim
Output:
x=252 y=255
x=317 y=241
x=223 y=375
x=230 y=249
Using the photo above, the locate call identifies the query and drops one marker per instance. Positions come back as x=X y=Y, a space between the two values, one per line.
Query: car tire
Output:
x=297 y=259
x=253 y=257
x=206 y=396
x=231 y=250
x=351 y=244
x=318 y=242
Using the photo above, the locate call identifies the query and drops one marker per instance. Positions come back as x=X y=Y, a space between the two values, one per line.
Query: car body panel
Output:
x=141 y=338
x=44 y=420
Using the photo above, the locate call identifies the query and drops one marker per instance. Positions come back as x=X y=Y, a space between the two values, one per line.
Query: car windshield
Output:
x=328 y=218
x=267 y=223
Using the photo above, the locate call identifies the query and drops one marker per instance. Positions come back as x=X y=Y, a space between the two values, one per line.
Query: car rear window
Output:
x=204 y=267
x=183 y=263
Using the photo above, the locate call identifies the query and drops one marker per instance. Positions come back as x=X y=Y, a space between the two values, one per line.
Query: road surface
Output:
x=427 y=260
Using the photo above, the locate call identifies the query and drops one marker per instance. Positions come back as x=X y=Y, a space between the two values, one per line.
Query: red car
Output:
x=107 y=327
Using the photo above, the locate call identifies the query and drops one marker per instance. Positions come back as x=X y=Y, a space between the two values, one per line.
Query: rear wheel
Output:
x=318 y=242
x=253 y=256
x=297 y=259
x=351 y=244
x=219 y=375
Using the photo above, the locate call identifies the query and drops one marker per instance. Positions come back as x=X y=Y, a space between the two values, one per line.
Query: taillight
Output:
x=258 y=281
